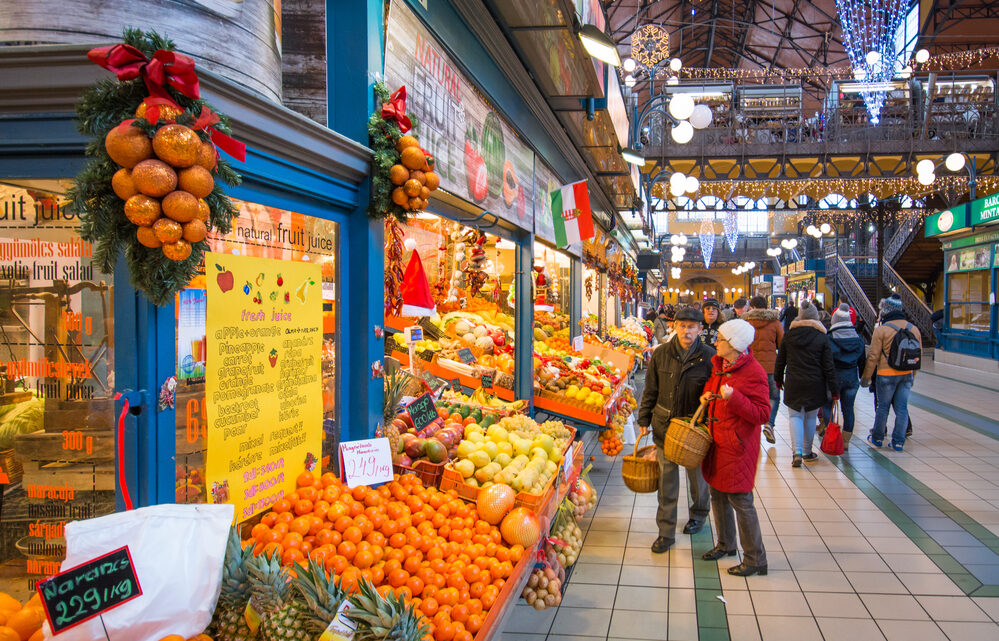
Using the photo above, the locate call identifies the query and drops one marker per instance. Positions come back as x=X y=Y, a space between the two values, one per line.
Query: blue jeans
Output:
x=892 y=391
x=774 y=400
x=847 y=396
x=803 y=429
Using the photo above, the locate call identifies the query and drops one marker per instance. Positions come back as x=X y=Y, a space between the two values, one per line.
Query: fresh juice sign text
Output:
x=263 y=379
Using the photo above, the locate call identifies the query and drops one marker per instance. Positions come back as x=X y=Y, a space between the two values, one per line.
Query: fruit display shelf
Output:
x=576 y=412
x=441 y=370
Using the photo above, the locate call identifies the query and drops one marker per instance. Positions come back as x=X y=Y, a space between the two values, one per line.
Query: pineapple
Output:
x=322 y=596
x=384 y=619
x=395 y=386
x=228 y=622
x=280 y=613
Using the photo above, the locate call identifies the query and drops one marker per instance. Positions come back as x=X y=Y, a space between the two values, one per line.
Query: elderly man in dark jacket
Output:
x=673 y=386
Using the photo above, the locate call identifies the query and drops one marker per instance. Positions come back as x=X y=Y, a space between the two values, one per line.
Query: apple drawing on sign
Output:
x=225 y=278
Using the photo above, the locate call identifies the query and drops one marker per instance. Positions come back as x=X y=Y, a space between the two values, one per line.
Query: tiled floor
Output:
x=874 y=544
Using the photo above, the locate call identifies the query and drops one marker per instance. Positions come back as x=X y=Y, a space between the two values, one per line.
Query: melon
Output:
x=484 y=343
x=521 y=527
x=494 y=502
x=480 y=331
x=462 y=327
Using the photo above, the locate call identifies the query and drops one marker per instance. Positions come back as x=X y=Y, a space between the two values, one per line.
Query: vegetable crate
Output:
x=430 y=474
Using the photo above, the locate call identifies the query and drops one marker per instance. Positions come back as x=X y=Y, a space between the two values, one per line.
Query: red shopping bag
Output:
x=832 y=442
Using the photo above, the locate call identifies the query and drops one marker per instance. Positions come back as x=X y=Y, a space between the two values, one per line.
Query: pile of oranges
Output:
x=610 y=443
x=19 y=623
x=426 y=545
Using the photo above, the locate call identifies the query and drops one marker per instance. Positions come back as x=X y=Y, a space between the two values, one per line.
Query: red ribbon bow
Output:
x=206 y=121
x=166 y=68
x=395 y=109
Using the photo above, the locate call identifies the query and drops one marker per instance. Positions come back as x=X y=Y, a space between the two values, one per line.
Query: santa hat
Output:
x=416 y=298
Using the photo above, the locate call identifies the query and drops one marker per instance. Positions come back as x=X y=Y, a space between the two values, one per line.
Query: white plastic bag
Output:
x=177 y=552
x=629 y=436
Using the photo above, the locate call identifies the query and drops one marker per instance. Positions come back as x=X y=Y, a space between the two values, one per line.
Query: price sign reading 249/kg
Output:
x=366 y=462
x=88 y=590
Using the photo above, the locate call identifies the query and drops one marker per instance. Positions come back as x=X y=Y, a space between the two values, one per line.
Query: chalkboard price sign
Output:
x=456 y=385
x=487 y=382
x=466 y=356
x=88 y=590
x=422 y=411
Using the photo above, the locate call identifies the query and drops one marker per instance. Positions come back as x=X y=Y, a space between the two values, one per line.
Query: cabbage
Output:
x=20 y=418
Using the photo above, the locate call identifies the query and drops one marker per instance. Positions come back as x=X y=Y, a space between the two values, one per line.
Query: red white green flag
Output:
x=571 y=214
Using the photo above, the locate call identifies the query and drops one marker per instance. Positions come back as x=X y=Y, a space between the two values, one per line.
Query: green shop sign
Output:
x=947 y=220
x=984 y=210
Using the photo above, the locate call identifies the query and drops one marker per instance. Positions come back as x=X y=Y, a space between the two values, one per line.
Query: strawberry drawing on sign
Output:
x=273 y=357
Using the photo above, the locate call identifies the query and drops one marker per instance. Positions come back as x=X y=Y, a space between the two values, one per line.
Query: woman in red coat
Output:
x=739 y=402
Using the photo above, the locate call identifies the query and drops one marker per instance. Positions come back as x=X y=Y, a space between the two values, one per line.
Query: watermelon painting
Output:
x=493 y=152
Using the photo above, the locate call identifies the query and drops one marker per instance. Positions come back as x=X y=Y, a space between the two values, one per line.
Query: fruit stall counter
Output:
x=441 y=370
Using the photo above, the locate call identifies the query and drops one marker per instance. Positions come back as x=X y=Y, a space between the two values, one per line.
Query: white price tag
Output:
x=340 y=628
x=366 y=462
x=577 y=343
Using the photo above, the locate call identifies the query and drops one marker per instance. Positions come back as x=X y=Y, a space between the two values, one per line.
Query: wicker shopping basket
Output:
x=641 y=474
x=687 y=443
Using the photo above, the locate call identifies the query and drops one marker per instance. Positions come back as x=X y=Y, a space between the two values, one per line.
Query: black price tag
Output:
x=466 y=356
x=422 y=411
x=88 y=590
x=456 y=385
x=487 y=382
x=426 y=355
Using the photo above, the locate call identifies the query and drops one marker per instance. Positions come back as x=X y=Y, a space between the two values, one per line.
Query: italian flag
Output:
x=571 y=214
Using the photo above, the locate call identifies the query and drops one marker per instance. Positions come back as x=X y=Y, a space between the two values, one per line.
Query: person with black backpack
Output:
x=895 y=355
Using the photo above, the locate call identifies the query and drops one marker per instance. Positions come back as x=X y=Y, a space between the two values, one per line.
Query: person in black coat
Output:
x=805 y=371
x=673 y=386
x=787 y=315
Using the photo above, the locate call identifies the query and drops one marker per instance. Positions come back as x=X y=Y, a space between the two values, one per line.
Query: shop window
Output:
x=57 y=362
x=470 y=274
x=554 y=292
x=283 y=237
x=968 y=295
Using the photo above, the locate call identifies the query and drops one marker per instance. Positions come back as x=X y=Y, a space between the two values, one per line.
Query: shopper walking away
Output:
x=662 y=327
x=673 y=387
x=853 y=312
x=824 y=317
x=804 y=369
x=768 y=335
x=849 y=354
x=788 y=314
x=711 y=322
x=895 y=355
x=739 y=402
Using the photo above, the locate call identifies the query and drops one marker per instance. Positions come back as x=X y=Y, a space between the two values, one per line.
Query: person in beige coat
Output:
x=893 y=385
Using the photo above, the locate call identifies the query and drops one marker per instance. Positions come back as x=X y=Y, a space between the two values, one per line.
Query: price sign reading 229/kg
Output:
x=83 y=592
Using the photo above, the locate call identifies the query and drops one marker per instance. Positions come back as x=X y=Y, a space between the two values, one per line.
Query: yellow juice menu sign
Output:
x=263 y=384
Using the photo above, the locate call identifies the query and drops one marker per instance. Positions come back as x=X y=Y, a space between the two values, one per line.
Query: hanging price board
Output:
x=466 y=356
x=88 y=590
x=456 y=385
x=367 y=462
x=487 y=382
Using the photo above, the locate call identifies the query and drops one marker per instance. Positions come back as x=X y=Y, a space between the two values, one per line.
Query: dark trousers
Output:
x=730 y=507
x=669 y=494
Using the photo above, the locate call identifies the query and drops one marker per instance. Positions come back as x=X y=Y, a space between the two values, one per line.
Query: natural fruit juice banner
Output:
x=263 y=382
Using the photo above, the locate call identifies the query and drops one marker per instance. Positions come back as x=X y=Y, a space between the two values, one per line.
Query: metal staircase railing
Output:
x=854 y=292
x=915 y=308
x=902 y=238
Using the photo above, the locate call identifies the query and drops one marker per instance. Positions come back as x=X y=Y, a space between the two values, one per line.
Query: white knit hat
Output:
x=738 y=333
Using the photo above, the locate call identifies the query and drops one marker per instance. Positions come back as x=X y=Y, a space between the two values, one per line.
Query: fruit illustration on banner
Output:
x=152 y=189
x=403 y=174
x=494 y=153
x=272 y=357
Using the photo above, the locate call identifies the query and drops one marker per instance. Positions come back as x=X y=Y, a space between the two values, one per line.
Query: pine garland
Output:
x=383 y=135
x=102 y=216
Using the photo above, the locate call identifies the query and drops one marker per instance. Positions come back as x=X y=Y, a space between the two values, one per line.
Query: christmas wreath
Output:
x=402 y=172
x=151 y=188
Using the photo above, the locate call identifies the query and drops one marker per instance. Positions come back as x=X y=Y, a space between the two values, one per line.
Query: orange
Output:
x=308 y=493
x=303 y=506
x=292 y=555
x=300 y=525
x=363 y=559
x=173 y=637
x=347 y=550
x=256 y=533
x=429 y=606
x=9 y=634
x=398 y=578
x=444 y=632
x=474 y=623
x=26 y=622
x=353 y=534
x=415 y=584
x=474 y=608
x=459 y=613
x=38 y=636
x=281 y=505
x=463 y=635
x=329 y=479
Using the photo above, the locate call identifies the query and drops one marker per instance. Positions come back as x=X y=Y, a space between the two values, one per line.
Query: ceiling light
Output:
x=681 y=106
x=682 y=133
x=792 y=243
x=633 y=156
x=955 y=161
x=924 y=166
x=701 y=117
x=906 y=72
x=676 y=191
x=683 y=238
x=678 y=181
x=825 y=228
x=922 y=56
x=672 y=80
x=926 y=179
x=599 y=45
x=676 y=64
x=691 y=184
x=629 y=80
x=873 y=57
x=674 y=240
x=810 y=230
x=629 y=64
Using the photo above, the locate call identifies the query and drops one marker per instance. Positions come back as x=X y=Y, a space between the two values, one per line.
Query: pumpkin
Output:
x=494 y=502
x=521 y=527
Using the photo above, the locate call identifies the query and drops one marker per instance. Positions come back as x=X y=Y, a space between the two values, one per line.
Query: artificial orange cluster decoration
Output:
x=151 y=191
x=426 y=545
x=163 y=182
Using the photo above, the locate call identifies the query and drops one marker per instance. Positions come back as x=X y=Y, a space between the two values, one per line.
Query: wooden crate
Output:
x=81 y=477
x=78 y=415
x=48 y=447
